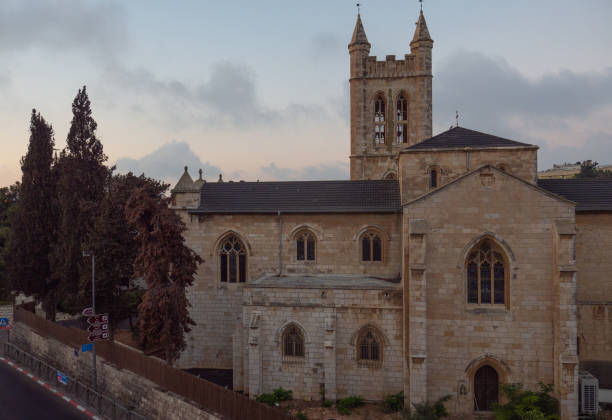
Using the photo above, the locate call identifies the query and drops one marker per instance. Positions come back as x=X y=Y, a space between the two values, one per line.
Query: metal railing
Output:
x=104 y=406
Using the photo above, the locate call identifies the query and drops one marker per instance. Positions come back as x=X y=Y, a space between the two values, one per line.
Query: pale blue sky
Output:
x=258 y=90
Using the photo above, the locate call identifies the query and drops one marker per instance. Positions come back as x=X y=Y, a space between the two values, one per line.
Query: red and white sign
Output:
x=88 y=312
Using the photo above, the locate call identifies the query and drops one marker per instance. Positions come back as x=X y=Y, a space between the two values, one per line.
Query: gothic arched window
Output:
x=368 y=346
x=486 y=275
x=434 y=174
x=401 y=117
x=293 y=342
x=379 y=120
x=232 y=260
x=371 y=247
x=305 y=245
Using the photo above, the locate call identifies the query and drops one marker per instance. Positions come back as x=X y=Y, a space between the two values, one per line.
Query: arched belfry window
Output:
x=486 y=271
x=369 y=346
x=305 y=245
x=293 y=342
x=486 y=388
x=379 y=120
x=371 y=246
x=232 y=260
x=401 y=117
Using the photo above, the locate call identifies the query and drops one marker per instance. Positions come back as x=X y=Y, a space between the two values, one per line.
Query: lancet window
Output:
x=486 y=275
x=305 y=246
x=401 y=117
x=371 y=247
x=293 y=342
x=232 y=260
x=368 y=346
x=379 y=120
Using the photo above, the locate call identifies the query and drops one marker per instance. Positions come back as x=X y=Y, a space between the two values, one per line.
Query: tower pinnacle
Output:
x=359 y=35
x=421 y=33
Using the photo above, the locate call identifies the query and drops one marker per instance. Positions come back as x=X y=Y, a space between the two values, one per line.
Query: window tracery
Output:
x=379 y=120
x=232 y=260
x=371 y=247
x=306 y=246
x=401 y=116
x=368 y=346
x=486 y=275
x=293 y=342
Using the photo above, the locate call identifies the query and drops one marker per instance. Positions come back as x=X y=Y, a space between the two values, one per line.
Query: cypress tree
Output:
x=33 y=223
x=81 y=176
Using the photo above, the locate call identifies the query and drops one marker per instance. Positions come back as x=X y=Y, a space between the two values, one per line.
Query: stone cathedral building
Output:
x=444 y=266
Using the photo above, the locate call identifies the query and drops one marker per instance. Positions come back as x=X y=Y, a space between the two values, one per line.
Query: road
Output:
x=21 y=398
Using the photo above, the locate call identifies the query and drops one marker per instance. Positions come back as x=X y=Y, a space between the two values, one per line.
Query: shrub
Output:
x=527 y=405
x=345 y=405
x=394 y=402
x=327 y=403
x=428 y=411
x=301 y=416
x=277 y=395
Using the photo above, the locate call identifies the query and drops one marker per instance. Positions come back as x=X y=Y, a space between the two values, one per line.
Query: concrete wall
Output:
x=330 y=320
x=216 y=305
x=129 y=388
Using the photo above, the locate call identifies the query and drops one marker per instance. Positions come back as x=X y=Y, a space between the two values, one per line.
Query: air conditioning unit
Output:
x=588 y=398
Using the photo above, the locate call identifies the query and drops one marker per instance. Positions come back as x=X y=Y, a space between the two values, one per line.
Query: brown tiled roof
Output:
x=460 y=138
x=590 y=194
x=377 y=196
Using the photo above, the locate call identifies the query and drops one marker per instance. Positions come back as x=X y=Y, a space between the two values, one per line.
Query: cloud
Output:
x=560 y=112
x=329 y=171
x=227 y=99
x=167 y=162
x=91 y=26
x=325 y=45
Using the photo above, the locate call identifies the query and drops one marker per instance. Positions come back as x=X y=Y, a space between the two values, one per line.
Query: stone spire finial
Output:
x=359 y=35
x=220 y=178
x=186 y=169
x=200 y=172
x=421 y=33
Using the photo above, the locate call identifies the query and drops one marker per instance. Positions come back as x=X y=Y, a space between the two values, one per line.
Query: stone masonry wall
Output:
x=129 y=388
x=216 y=306
x=516 y=339
x=330 y=320
x=415 y=166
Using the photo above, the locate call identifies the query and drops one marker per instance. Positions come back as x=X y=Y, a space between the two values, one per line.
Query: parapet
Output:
x=391 y=67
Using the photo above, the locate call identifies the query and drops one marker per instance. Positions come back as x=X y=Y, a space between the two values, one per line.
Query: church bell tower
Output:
x=390 y=103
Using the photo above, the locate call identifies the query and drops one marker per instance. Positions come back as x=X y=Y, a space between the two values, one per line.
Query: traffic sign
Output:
x=3 y=322
x=98 y=319
x=88 y=312
x=98 y=335
x=97 y=327
x=61 y=378
x=86 y=347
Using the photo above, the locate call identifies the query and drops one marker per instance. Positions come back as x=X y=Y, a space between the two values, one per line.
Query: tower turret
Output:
x=359 y=49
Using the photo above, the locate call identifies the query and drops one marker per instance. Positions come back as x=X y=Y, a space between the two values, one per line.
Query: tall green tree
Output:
x=116 y=244
x=34 y=221
x=589 y=169
x=81 y=181
x=168 y=267
x=8 y=201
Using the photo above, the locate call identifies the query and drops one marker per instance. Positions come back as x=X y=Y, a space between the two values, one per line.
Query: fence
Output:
x=227 y=403
x=107 y=407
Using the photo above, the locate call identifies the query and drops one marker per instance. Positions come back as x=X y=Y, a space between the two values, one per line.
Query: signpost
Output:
x=98 y=327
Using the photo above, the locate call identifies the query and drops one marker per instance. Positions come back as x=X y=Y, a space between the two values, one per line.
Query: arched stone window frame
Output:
x=390 y=175
x=369 y=331
x=400 y=117
x=499 y=245
x=502 y=369
x=281 y=335
x=218 y=256
x=433 y=174
x=385 y=238
x=295 y=236
x=379 y=119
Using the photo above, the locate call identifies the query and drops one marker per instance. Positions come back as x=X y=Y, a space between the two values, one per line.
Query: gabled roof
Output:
x=494 y=169
x=376 y=196
x=590 y=194
x=461 y=138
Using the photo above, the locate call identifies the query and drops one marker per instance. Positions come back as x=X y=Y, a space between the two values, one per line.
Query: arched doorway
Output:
x=486 y=388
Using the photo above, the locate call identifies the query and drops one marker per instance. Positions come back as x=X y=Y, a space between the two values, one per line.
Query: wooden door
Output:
x=486 y=388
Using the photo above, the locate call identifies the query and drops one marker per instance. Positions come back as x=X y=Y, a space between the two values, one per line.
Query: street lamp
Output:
x=93 y=309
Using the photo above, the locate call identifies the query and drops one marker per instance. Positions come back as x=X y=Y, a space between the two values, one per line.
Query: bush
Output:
x=277 y=395
x=345 y=405
x=394 y=402
x=301 y=416
x=428 y=411
x=527 y=405
x=327 y=403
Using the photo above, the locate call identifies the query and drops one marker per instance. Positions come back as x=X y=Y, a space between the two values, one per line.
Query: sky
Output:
x=259 y=90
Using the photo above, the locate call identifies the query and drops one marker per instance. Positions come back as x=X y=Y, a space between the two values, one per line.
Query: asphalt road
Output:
x=21 y=398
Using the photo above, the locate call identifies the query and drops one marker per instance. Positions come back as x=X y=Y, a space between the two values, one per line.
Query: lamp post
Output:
x=93 y=308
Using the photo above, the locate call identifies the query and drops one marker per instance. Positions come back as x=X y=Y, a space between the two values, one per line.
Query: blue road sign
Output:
x=86 y=347
x=3 y=322
x=61 y=378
